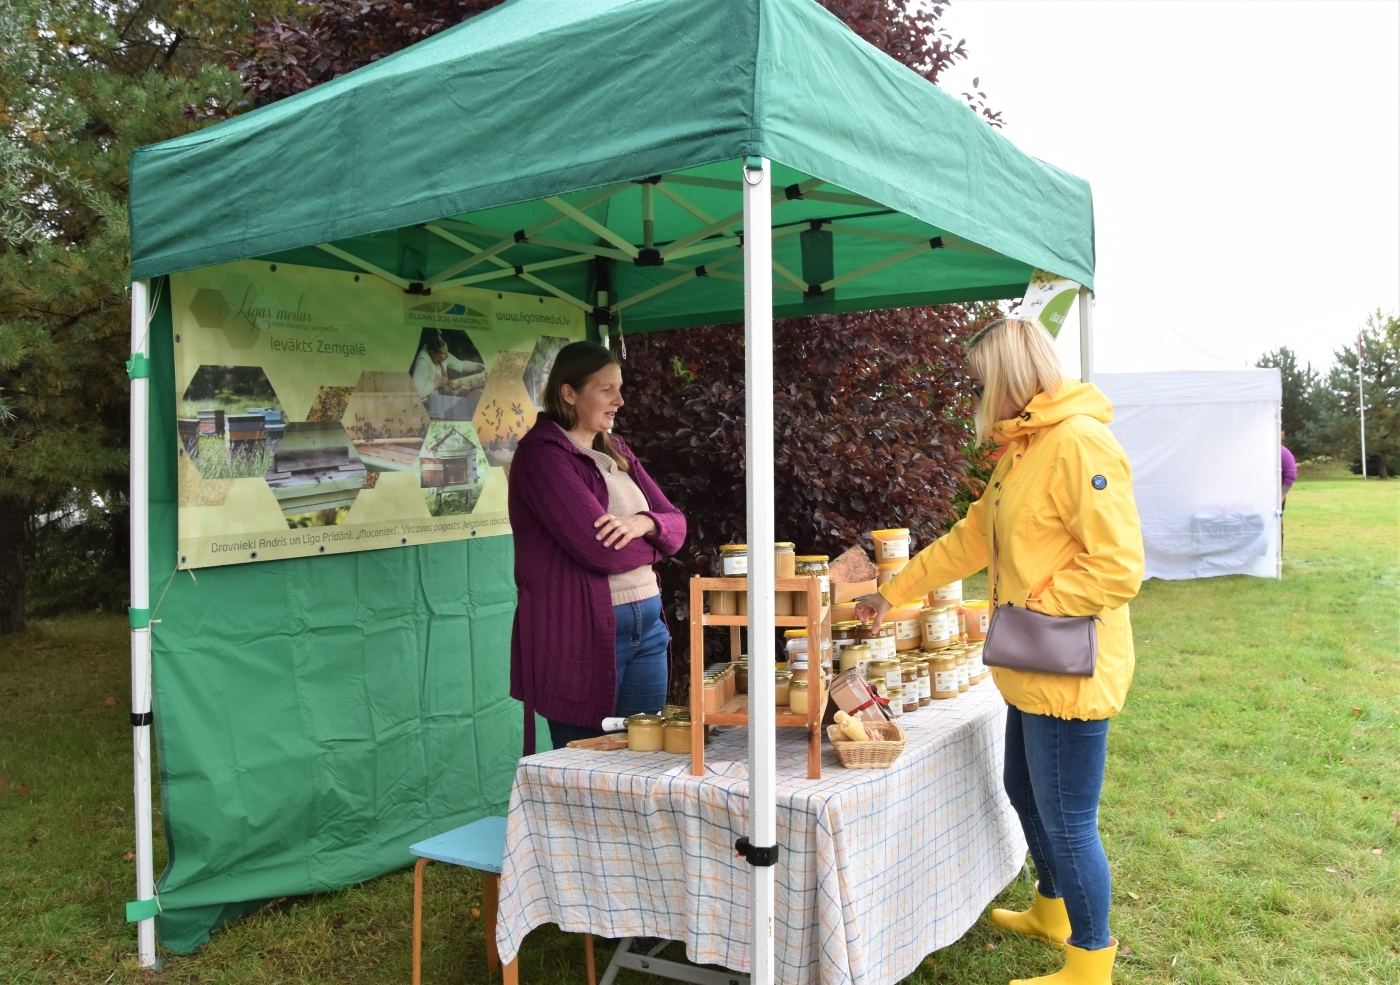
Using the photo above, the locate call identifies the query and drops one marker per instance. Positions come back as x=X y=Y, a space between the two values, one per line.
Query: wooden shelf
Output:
x=736 y=711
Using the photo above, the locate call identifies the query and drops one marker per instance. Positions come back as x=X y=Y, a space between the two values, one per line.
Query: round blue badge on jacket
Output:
x=1099 y=482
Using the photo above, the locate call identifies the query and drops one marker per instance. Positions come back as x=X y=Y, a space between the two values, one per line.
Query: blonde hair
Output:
x=1016 y=359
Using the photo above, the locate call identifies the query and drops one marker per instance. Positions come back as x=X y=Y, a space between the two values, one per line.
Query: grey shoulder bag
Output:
x=1019 y=639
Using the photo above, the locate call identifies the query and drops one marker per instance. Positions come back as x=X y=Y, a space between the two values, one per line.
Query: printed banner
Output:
x=1048 y=300
x=323 y=411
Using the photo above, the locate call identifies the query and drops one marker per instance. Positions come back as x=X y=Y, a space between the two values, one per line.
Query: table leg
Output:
x=697 y=679
x=510 y=974
x=588 y=958
x=418 y=920
x=491 y=896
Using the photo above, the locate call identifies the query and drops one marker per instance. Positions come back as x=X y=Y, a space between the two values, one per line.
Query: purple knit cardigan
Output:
x=563 y=645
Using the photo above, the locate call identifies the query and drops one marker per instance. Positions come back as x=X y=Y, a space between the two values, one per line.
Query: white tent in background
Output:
x=1203 y=439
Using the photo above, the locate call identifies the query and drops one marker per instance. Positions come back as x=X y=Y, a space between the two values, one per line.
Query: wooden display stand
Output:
x=736 y=711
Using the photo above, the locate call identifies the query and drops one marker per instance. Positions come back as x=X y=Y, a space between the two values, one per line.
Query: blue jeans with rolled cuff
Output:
x=1053 y=776
x=642 y=671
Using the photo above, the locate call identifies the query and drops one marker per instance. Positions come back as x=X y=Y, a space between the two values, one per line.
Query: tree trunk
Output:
x=12 y=516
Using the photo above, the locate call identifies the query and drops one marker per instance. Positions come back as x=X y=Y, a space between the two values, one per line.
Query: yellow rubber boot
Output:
x=1046 y=919
x=1081 y=968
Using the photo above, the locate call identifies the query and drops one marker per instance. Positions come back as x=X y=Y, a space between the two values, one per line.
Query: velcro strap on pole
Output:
x=142 y=909
x=139 y=718
x=139 y=618
x=138 y=367
x=756 y=855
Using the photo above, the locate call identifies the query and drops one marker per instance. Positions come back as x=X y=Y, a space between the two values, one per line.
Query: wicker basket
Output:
x=868 y=755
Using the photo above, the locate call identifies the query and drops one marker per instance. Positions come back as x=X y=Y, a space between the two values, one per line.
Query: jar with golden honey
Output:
x=644 y=733
x=896 y=698
x=857 y=656
x=881 y=641
x=978 y=613
x=961 y=664
x=921 y=667
x=884 y=573
x=797 y=696
x=885 y=670
x=974 y=651
x=911 y=697
x=676 y=733
x=671 y=711
x=741 y=677
x=943 y=670
x=782 y=681
x=890 y=545
x=938 y=628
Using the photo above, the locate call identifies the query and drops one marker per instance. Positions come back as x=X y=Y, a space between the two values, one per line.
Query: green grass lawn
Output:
x=1251 y=811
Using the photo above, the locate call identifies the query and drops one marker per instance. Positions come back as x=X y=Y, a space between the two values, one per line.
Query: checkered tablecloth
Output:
x=878 y=869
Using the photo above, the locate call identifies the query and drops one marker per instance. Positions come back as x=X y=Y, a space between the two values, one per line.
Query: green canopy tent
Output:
x=657 y=163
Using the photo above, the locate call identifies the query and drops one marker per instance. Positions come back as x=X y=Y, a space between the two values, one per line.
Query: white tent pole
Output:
x=758 y=471
x=139 y=371
x=1086 y=335
x=1361 y=398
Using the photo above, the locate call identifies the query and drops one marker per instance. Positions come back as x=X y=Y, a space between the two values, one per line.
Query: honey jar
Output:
x=891 y=544
x=644 y=733
x=857 y=656
x=907 y=622
x=675 y=733
x=782 y=681
x=797 y=696
x=943 y=670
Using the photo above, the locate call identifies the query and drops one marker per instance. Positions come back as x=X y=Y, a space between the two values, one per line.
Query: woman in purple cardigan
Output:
x=589 y=639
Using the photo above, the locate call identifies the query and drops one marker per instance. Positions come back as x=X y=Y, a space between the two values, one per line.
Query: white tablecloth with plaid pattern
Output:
x=879 y=867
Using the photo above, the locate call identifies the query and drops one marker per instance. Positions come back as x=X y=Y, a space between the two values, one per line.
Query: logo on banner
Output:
x=446 y=314
x=1048 y=300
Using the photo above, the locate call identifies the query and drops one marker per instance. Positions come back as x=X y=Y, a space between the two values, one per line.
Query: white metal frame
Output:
x=140 y=613
x=758 y=473
x=678 y=971
x=1086 y=335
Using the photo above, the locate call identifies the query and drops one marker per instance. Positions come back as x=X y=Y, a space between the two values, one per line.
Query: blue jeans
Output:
x=1054 y=775
x=642 y=671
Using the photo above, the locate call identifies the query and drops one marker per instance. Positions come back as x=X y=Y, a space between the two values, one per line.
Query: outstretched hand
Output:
x=872 y=610
x=619 y=531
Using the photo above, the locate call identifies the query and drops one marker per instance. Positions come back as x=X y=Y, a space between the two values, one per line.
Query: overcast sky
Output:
x=1244 y=157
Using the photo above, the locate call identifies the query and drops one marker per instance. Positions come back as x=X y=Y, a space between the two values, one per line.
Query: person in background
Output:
x=1059 y=523
x=1288 y=467
x=589 y=640
x=435 y=366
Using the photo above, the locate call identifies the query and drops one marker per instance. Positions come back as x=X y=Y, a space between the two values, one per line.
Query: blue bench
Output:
x=480 y=846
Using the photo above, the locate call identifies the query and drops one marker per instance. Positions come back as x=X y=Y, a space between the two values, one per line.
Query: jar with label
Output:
x=975 y=652
x=944 y=671
x=896 y=699
x=856 y=656
x=784 y=559
x=734 y=560
x=961 y=663
x=671 y=711
x=911 y=697
x=644 y=733
x=921 y=667
x=885 y=670
x=909 y=679
x=937 y=627
x=891 y=544
x=978 y=615
x=782 y=680
x=881 y=641
x=797 y=696
x=676 y=733
x=843 y=634
x=814 y=564
x=741 y=677
x=908 y=630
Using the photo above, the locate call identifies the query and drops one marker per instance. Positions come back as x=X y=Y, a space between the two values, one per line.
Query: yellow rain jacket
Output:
x=1061 y=499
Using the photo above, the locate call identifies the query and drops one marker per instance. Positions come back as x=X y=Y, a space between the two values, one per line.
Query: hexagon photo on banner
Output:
x=230 y=421
x=387 y=421
x=452 y=468
x=315 y=474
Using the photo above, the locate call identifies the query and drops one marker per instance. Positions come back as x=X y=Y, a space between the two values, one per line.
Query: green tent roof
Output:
x=514 y=150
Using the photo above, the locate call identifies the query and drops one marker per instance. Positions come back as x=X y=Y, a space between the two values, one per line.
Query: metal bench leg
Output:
x=492 y=896
x=418 y=920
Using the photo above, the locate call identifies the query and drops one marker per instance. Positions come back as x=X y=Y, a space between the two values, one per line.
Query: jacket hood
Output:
x=1073 y=398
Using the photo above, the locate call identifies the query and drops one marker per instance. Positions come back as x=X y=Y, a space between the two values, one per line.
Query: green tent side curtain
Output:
x=616 y=110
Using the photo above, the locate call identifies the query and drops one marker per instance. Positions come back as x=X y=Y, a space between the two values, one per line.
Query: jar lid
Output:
x=901 y=564
x=733 y=547
x=846 y=624
x=784 y=545
x=679 y=718
x=793 y=634
x=884 y=663
x=799 y=685
x=858 y=648
x=975 y=603
x=644 y=718
x=814 y=557
x=892 y=531
x=671 y=711
x=780 y=674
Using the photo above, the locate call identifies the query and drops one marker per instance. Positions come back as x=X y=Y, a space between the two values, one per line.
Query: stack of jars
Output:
x=734 y=563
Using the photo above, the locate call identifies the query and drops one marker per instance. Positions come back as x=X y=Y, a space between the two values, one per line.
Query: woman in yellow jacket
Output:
x=1067 y=543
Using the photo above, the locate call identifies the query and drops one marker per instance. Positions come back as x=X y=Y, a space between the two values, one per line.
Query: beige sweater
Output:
x=625 y=498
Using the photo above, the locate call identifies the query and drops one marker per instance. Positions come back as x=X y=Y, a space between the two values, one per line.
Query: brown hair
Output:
x=574 y=364
x=1016 y=359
